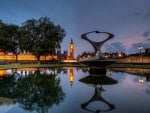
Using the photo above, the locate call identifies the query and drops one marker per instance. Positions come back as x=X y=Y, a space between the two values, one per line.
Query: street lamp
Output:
x=140 y=48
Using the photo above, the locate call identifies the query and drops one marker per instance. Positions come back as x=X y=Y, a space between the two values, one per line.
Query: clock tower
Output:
x=71 y=50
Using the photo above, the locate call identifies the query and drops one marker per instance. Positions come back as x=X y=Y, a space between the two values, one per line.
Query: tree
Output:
x=2 y=36
x=41 y=37
x=12 y=39
x=9 y=38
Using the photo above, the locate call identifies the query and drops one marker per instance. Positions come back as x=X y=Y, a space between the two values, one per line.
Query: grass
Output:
x=13 y=66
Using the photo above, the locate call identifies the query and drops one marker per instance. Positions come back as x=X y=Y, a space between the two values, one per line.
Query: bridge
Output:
x=98 y=59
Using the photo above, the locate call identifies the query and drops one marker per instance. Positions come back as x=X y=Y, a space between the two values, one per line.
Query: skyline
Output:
x=127 y=20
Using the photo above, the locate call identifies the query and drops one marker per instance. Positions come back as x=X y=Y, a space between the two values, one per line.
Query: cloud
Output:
x=146 y=16
x=147 y=35
x=137 y=14
x=117 y=46
x=143 y=15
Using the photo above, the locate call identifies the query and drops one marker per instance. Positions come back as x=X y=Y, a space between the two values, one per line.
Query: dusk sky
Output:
x=128 y=20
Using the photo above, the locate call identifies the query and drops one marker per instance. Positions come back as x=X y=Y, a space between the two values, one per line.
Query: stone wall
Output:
x=135 y=59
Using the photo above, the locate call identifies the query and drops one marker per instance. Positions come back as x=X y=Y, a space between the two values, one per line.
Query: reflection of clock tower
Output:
x=71 y=76
x=71 y=50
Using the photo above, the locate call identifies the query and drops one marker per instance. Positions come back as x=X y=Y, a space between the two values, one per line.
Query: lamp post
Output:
x=140 y=49
x=141 y=80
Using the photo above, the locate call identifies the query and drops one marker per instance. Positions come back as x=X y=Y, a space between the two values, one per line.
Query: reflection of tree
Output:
x=34 y=92
x=7 y=86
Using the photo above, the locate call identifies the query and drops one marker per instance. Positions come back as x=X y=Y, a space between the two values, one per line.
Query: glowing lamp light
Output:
x=140 y=47
x=120 y=55
x=71 y=46
x=106 y=56
x=141 y=80
x=71 y=76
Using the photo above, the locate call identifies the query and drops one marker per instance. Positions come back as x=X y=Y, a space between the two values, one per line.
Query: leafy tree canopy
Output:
x=9 y=37
x=41 y=36
x=37 y=36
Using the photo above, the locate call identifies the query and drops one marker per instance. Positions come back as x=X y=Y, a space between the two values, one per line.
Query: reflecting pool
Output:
x=75 y=90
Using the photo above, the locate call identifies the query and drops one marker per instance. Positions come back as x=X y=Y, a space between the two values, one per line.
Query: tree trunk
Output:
x=16 y=57
x=45 y=58
x=38 y=59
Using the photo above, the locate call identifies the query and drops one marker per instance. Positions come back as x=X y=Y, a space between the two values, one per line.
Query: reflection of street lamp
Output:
x=141 y=80
x=97 y=53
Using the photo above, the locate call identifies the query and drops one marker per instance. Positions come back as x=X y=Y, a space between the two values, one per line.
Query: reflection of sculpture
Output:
x=97 y=45
x=97 y=97
x=97 y=82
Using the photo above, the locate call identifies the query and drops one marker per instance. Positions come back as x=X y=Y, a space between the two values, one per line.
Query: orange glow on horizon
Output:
x=23 y=57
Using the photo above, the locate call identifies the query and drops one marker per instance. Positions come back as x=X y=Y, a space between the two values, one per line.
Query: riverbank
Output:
x=129 y=65
x=15 y=66
x=36 y=65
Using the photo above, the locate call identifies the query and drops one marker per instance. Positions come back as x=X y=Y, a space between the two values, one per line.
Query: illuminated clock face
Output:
x=71 y=46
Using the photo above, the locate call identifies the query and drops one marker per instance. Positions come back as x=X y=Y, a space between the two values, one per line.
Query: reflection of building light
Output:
x=3 y=72
x=71 y=76
x=106 y=56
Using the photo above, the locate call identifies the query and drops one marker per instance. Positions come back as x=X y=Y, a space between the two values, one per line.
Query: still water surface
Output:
x=75 y=90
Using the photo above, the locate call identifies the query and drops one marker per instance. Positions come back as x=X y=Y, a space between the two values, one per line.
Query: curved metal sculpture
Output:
x=97 y=45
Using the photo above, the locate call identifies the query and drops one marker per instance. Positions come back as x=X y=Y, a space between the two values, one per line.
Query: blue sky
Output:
x=128 y=20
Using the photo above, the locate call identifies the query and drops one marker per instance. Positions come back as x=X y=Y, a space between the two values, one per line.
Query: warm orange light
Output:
x=106 y=56
x=120 y=55
x=23 y=57
x=71 y=46
x=3 y=72
x=141 y=81
x=71 y=76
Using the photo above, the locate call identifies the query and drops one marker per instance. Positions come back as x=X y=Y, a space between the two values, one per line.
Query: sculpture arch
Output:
x=97 y=45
